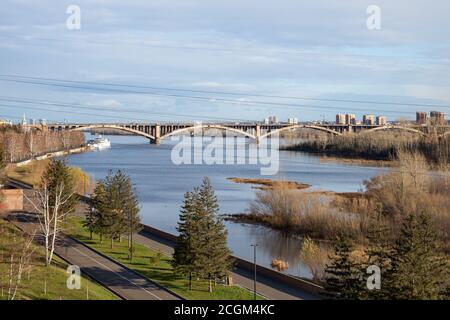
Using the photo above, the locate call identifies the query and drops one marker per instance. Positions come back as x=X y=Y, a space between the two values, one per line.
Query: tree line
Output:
x=17 y=144
x=378 y=146
x=114 y=209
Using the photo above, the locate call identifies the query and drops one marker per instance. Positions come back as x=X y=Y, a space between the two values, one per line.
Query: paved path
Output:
x=265 y=286
x=120 y=280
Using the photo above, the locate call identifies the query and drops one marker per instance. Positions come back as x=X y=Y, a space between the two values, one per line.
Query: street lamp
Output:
x=254 y=279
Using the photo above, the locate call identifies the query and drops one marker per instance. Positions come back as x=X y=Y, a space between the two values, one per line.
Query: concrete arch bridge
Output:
x=255 y=131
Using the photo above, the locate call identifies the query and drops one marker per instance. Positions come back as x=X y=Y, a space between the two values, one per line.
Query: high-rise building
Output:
x=340 y=118
x=273 y=120
x=381 y=120
x=350 y=118
x=421 y=117
x=437 y=118
x=293 y=121
x=369 y=119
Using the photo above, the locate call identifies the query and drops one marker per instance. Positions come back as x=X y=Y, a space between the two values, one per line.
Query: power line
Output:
x=100 y=108
x=198 y=118
x=209 y=99
x=224 y=92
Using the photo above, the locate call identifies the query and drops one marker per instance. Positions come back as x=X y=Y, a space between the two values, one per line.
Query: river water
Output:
x=161 y=184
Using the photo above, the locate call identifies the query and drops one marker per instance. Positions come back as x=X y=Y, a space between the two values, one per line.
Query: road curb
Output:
x=127 y=268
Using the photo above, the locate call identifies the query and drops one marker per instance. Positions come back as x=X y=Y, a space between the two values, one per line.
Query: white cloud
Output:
x=110 y=103
x=286 y=47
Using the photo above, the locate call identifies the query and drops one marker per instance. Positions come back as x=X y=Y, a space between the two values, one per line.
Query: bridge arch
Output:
x=208 y=126
x=117 y=127
x=298 y=126
x=401 y=128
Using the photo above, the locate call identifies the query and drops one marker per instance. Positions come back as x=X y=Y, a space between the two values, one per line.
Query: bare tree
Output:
x=30 y=143
x=51 y=215
x=17 y=267
x=11 y=147
x=66 y=140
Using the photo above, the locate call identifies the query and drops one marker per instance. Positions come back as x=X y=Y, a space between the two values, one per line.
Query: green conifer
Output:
x=343 y=276
x=58 y=175
x=187 y=246
x=215 y=258
x=417 y=271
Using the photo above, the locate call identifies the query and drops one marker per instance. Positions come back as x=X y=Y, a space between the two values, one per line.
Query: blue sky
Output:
x=306 y=49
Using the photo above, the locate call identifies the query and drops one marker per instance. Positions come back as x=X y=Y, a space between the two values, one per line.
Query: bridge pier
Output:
x=157 y=135
x=258 y=133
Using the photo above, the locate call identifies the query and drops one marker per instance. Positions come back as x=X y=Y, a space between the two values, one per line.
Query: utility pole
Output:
x=254 y=277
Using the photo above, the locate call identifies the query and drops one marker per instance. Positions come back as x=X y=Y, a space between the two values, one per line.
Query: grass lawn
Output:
x=39 y=278
x=30 y=173
x=145 y=261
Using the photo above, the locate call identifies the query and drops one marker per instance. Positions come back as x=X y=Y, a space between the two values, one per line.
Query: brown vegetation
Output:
x=279 y=265
x=32 y=174
x=267 y=184
x=378 y=146
x=299 y=212
x=411 y=188
x=315 y=257
x=18 y=145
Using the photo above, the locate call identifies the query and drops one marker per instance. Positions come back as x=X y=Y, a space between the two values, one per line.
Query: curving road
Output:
x=117 y=278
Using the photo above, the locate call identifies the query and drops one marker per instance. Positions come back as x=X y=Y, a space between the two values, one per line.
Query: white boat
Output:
x=99 y=143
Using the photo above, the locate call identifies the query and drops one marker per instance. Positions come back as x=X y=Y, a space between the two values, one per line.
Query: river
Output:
x=161 y=184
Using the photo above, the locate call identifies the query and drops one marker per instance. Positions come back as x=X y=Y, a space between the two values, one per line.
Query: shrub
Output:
x=303 y=213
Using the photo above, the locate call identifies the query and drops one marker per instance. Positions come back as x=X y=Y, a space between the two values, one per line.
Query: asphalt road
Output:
x=120 y=280
x=131 y=286
x=265 y=286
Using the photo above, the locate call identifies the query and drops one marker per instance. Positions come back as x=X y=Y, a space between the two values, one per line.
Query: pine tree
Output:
x=215 y=257
x=115 y=209
x=417 y=271
x=97 y=206
x=129 y=205
x=56 y=175
x=187 y=245
x=202 y=242
x=378 y=253
x=343 y=276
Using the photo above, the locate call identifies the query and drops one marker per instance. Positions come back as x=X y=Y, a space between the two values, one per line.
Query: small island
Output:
x=268 y=184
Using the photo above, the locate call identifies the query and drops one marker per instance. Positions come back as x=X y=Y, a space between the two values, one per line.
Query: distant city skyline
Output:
x=226 y=60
